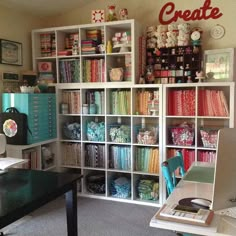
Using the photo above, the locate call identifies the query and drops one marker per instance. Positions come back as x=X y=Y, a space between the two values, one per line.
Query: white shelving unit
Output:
x=202 y=111
x=127 y=90
x=132 y=115
x=41 y=161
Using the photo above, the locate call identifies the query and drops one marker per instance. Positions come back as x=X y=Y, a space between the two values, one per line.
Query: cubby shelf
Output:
x=138 y=111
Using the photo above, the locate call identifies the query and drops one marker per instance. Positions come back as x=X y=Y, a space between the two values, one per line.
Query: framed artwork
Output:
x=10 y=76
x=98 y=16
x=10 y=52
x=219 y=64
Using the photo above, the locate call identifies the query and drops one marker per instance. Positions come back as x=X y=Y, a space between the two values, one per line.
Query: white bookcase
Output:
x=203 y=114
x=133 y=116
x=38 y=159
x=125 y=91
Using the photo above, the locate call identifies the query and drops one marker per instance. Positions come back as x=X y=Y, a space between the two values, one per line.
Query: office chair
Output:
x=169 y=168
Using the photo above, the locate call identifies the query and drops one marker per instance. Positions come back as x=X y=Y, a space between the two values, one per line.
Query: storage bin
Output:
x=72 y=130
x=96 y=131
x=121 y=187
x=95 y=183
x=182 y=136
x=120 y=133
x=148 y=135
x=148 y=189
x=209 y=137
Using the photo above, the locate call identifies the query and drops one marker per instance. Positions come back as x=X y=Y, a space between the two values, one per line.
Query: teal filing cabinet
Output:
x=41 y=111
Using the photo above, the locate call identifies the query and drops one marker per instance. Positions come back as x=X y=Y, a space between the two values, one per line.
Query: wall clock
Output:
x=196 y=35
x=217 y=32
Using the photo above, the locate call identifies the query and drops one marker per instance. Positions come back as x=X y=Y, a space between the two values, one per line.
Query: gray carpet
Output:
x=95 y=218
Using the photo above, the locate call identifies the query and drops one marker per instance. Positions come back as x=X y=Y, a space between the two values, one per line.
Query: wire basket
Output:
x=209 y=137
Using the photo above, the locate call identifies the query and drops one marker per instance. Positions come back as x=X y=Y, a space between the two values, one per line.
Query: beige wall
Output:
x=16 y=26
x=146 y=12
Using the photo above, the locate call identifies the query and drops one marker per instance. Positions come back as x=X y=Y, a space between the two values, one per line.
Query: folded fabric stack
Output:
x=121 y=187
x=96 y=183
x=120 y=133
x=95 y=34
x=72 y=130
x=89 y=46
x=95 y=131
x=148 y=189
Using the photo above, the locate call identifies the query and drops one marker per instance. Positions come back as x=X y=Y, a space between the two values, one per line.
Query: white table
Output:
x=219 y=225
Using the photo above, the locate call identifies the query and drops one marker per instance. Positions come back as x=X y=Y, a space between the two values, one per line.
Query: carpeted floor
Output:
x=95 y=218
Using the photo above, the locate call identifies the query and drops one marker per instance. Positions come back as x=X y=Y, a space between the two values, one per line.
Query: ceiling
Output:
x=44 y=8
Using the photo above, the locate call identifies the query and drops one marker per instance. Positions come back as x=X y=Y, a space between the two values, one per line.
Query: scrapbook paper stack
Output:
x=7 y=162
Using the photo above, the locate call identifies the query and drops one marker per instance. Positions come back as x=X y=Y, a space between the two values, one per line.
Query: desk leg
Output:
x=71 y=211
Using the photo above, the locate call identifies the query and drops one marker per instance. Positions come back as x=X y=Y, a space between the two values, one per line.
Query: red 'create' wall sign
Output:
x=203 y=13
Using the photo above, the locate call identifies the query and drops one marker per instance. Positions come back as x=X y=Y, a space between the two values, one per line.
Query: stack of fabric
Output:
x=148 y=189
x=96 y=183
x=88 y=46
x=121 y=187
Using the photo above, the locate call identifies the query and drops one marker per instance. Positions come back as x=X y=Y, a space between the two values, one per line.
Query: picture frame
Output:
x=97 y=16
x=219 y=64
x=10 y=76
x=11 y=52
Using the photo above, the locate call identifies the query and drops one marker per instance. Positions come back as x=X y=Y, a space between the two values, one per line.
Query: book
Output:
x=185 y=214
x=7 y=162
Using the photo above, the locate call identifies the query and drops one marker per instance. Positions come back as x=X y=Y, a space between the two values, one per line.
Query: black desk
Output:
x=23 y=191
